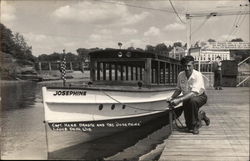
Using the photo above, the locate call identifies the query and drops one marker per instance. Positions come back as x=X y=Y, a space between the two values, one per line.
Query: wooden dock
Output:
x=227 y=137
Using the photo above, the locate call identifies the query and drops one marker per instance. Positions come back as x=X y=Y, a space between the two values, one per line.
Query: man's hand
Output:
x=169 y=99
x=175 y=101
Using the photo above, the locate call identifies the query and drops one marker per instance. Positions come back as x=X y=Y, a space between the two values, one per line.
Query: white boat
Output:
x=113 y=102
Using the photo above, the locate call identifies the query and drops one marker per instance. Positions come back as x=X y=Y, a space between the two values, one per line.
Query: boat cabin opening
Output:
x=119 y=66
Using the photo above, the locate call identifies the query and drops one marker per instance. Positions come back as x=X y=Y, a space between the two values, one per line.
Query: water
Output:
x=22 y=130
x=23 y=133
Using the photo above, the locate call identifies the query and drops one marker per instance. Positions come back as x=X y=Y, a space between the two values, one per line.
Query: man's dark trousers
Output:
x=191 y=109
x=217 y=78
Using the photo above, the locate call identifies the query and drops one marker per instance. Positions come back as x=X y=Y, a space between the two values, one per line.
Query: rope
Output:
x=170 y=108
x=176 y=118
x=129 y=105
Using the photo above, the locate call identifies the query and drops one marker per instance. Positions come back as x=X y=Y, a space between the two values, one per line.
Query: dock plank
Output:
x=227 y=137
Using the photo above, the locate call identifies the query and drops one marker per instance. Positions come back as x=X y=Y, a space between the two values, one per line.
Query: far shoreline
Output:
x=73 y=80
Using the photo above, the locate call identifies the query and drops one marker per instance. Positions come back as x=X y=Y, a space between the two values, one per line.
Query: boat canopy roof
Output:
x=120 y=54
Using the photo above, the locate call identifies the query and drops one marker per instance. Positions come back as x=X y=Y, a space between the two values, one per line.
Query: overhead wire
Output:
x=236 y=25
x=199 y=27
x=176 y=12
x=141 y=7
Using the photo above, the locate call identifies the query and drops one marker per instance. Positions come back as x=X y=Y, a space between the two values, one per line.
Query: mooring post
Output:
x=171 y=118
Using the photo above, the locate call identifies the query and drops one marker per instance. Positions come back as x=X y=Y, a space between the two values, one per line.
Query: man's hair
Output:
x=187 y=59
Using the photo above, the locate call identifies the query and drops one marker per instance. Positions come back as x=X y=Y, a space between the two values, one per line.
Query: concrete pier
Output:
x=227 y=137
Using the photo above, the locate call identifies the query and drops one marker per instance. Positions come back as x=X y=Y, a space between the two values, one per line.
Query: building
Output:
x=210 y=55
x=211 y=50
x=205 y=55
x=177 y=53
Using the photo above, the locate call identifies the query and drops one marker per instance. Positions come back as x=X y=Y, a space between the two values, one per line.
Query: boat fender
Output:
x=123 y=106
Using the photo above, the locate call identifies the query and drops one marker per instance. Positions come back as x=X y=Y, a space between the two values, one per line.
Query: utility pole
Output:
x=188 y=28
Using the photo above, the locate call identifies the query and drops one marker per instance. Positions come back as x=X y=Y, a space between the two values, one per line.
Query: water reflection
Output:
x=18 y=95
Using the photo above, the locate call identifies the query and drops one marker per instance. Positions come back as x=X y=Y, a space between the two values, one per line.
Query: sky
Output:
x=53 y=25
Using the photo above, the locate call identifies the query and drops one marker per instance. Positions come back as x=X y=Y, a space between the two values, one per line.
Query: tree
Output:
x=120 y=44
x=52 y=57
x=211 y=40
x=15 y=44
x=196 y=44
x=203 y=43
x=6 y=40
x=139 y=49
x=131 y=48
x=237 y=40
x=177 y=44
x=161 y=48
x=71 y=57
x=150 y=48
x=170 y=48
x=185 y=45
x=83 y=53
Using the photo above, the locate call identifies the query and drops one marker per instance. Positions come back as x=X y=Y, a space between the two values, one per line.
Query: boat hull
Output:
x=76 y=116
x=70 y=144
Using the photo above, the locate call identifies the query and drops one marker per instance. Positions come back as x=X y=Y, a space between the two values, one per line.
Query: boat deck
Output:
x=227 y=137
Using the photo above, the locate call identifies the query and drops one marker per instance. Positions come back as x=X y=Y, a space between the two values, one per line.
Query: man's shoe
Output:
x=199 y=124
x=190 y=130
x=205 y=118
x=196 y=131
x=220 y=88
x=207 y=121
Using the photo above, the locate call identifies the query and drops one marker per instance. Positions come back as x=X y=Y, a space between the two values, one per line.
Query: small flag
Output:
x=63 y=68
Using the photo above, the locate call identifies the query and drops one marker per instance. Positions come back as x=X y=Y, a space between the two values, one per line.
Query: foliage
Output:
x=150 y=48
x=240 y=55
x=120 y=44
x=159 y=48
x=237 y=40
x=211 y=40
x=15 y=44
x=82 y=53
x=58 y=57
x=139 y=49
x=177 y=44
x=131 y=48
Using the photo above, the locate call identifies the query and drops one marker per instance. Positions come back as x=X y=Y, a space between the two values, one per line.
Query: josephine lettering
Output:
x=70 y=93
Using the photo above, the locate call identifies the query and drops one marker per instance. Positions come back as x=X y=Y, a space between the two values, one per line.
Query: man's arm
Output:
x=176 y=100
x=176 y=93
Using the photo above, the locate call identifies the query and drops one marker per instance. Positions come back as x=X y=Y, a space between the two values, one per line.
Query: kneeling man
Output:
x=191 y=84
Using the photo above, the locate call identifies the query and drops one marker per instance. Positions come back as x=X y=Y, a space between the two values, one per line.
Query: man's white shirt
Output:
x=195 y=83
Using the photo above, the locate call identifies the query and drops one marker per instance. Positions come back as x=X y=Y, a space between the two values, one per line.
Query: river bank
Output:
x=76 y=77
